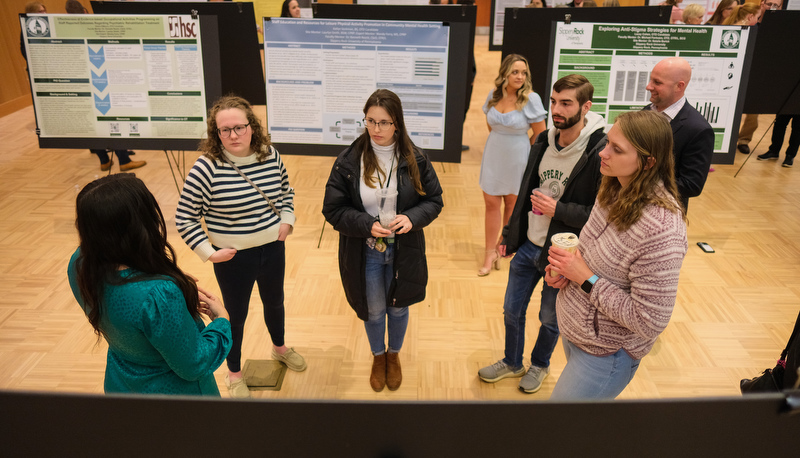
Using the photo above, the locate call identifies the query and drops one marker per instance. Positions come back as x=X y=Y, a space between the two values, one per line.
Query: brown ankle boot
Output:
x=377 y=379
x=394 y=375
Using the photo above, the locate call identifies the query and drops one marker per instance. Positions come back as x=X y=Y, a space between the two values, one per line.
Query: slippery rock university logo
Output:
x=730 y=39
x=37 y=27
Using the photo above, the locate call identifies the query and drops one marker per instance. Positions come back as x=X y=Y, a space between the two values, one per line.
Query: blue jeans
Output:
x=523 y=275
x=379 y=271
x=593 y=377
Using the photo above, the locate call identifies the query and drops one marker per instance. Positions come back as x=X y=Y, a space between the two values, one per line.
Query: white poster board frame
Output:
x=319 y=73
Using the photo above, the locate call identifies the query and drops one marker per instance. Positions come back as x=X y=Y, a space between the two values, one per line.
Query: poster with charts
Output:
x=617 y=59
x=103 y=76
x=320 y=72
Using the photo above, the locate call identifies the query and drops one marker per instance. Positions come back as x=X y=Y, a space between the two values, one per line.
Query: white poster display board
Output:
x=499 y=17
x=618 y=58
x=102 y=76
x=320 y=72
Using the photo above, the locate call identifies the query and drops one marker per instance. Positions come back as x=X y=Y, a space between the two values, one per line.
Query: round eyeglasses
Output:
x=225 y=132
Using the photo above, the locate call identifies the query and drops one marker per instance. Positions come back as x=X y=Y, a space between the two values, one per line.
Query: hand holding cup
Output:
x=566 y=241
x=542 y=202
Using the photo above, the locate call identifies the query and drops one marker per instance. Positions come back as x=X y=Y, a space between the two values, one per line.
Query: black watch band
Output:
x=588 y=284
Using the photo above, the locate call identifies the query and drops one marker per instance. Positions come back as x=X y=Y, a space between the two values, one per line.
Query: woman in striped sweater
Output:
x=618 y=290
x=240 y=187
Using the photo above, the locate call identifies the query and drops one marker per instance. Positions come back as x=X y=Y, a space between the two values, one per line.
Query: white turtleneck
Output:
x=384 y=155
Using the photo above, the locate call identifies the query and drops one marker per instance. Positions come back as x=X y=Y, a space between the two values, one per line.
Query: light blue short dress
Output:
x=506 y=152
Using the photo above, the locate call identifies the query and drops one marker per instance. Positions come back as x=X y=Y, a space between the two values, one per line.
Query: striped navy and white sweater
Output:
x=236 y=215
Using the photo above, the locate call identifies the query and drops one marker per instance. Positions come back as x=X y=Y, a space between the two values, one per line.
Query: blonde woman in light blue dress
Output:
x=512 y=111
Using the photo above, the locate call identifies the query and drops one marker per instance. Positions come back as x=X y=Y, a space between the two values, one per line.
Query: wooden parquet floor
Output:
x=734 y=312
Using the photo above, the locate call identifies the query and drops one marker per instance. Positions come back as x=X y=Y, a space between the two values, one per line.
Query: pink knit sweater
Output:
x=638 y=271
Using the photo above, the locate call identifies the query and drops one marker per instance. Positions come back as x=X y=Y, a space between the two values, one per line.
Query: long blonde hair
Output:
x=501 y=82
x=651 y=135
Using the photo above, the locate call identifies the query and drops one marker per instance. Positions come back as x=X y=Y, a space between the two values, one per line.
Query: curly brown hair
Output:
x=211 y=146
x=651 y=135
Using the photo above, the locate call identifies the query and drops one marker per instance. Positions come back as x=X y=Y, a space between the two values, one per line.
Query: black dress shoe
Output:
x=767 y=156
x=743 y=148
x=788 y=162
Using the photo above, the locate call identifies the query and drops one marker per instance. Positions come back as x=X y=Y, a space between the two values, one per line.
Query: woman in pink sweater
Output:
x=618 y=290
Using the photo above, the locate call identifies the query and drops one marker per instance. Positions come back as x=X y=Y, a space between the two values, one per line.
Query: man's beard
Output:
x=569 y=122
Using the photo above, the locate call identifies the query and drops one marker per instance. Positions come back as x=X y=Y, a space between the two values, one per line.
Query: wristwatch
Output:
x=588 y=284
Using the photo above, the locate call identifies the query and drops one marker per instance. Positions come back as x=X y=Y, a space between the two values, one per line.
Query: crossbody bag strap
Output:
x=271 y=205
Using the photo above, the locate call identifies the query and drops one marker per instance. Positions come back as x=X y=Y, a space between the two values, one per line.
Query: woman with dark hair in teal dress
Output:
x=125 y=278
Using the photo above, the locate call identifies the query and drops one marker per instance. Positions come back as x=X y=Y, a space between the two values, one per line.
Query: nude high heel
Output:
x=483 y=271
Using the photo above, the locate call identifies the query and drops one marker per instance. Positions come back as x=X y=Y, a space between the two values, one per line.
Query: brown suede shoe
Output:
x=377 y=379
x=107 y=165
x=394 y=375
x=132 y=165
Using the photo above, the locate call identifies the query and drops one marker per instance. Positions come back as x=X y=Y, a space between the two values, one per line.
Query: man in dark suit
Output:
x=693 y=135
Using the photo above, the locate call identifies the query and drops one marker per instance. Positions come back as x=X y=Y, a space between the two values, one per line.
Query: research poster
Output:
x=499 y=17
x=97 y=76
x=320 y=72
x=617 y=59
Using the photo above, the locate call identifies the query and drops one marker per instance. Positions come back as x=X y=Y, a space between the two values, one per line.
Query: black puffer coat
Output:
x=343 y=208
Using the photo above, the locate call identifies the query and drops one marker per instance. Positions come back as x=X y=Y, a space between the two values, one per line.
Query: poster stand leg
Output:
x=180 y=167
x=322 y=231
x=753 y=149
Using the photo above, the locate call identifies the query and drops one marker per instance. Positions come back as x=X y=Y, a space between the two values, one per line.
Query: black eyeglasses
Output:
x=371 y=123
x=226 y=132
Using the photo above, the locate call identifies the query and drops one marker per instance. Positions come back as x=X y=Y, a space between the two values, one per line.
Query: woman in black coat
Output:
x=383 y=267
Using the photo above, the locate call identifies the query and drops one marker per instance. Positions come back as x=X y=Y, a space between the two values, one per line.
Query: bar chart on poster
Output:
x=618 y=58
x=320 y=72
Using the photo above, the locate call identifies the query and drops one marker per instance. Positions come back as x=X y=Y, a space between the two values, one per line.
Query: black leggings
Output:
x=266 y=266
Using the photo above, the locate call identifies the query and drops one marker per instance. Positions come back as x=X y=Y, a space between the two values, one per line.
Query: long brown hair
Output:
x=390 y=102
x=651 y=135
x=501 y=82
x=211 y=146
x=120 y=224
x=716 y=18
